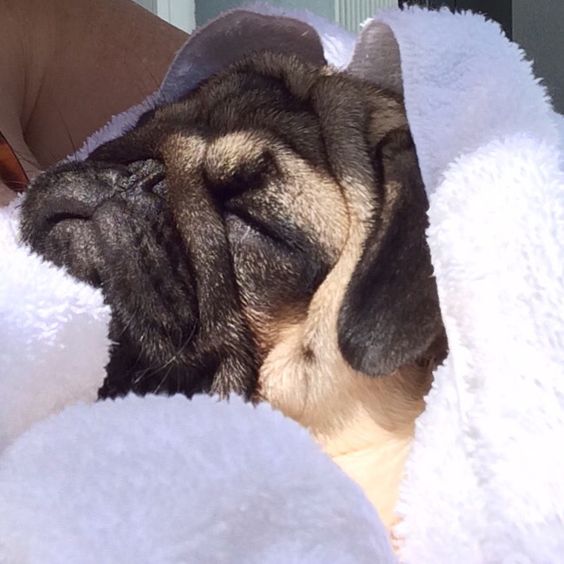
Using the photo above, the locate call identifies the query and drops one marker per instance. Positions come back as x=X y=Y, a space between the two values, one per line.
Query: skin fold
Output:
x=264 y=235
x=67 y=66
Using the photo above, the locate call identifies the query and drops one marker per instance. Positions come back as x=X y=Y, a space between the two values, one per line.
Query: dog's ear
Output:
x=390 y=313
x=231 y=37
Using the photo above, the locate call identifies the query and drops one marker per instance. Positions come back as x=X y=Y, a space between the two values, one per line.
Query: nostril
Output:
x=146 y=176
x=71 y=191
x=64 y=207
x=153 y=184
x=73 y=244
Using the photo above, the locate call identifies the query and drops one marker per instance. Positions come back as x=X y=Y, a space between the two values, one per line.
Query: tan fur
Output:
x=303 y=184
x=328 y=188
x=365 y=424
x=303 y=373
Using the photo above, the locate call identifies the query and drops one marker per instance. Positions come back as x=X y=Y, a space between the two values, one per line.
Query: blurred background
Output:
x=537 y=25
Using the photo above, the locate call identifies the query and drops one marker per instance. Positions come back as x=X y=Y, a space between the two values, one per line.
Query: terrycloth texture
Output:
x=53 y=336
x=483 y=483
x=464 y=84
x=168 y=480
x=488 y=149
x=495 y=417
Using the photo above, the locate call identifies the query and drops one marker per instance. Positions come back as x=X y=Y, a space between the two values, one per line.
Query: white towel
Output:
x=484 y=480
x=167 y=480
x=495 y=416
x=53 y=335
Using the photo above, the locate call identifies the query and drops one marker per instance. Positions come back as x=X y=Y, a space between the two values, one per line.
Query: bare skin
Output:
x=67 y=66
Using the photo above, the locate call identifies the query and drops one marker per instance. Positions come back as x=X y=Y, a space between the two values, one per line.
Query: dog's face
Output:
x=264 y=235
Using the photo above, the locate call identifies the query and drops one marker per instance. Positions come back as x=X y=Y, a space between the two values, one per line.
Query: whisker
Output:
x=126 y=327
x=152 y=370
x=163 y=380
x=140 y=374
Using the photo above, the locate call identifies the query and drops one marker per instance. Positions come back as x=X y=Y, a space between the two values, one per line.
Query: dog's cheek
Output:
x=270 y=282
x=73 y=244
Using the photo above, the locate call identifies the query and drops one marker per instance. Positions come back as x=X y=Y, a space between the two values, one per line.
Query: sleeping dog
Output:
x=264 y=235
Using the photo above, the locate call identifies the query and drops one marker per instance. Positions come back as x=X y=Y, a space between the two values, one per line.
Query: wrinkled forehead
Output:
x=257 y=138
x=246 y=100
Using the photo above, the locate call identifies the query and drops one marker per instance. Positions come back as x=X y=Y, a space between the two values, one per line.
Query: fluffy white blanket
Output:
x=162 y=480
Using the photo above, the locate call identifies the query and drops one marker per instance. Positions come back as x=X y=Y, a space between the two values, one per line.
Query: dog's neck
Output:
x=372 y=442
x=366 y=424
x=372 y=456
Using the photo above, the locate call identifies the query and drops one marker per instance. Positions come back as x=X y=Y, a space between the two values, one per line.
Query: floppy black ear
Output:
x=390 y=314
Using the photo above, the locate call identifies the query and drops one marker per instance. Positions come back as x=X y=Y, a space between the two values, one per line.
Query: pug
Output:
x=263 y=235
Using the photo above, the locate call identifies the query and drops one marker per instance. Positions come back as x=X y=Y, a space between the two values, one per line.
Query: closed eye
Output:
x=255 y=225
x=283 y=235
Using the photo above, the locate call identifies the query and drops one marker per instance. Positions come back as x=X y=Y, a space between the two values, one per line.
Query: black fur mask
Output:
x=220 y=220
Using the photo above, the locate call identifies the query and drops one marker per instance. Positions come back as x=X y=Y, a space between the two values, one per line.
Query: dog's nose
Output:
x=61 y=211
x=68 y=191
x=56 y=214
x=74 y=191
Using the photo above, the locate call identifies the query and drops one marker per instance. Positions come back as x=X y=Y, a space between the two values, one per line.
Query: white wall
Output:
x=148 y=4
x=181 y=13
x=349 y=13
